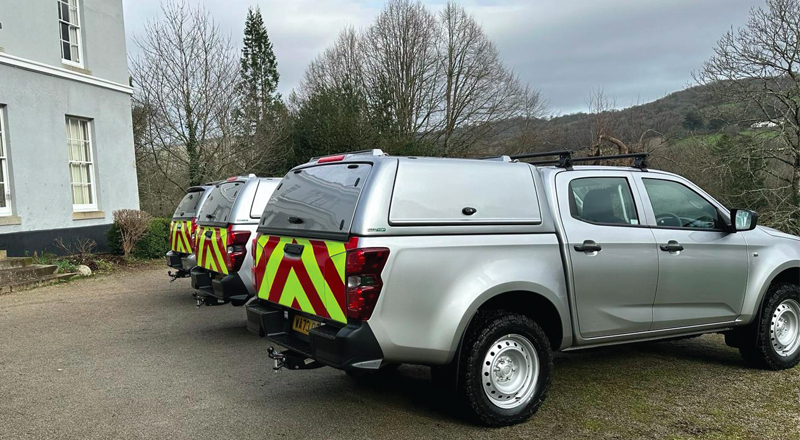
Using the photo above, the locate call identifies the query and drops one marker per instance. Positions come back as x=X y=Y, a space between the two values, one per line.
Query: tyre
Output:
x=506 y=368
x=777 y=339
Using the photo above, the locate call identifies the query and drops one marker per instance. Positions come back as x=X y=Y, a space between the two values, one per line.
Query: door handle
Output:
x=294 y=250
x=672 y=246
x=588 y=246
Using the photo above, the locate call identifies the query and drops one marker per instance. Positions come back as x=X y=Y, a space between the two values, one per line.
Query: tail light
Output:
x=193 y=236
x=254 y=270
x=363 y=274
x=237 y=248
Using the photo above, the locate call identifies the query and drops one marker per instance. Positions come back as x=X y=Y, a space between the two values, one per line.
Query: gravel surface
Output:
x=128 y=355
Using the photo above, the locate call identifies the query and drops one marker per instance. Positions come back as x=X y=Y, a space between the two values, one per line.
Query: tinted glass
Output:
x=218 y=205
x=188 y=206
x=604 y=200
x=264 y=190
x=677 y=206
x=318 y=201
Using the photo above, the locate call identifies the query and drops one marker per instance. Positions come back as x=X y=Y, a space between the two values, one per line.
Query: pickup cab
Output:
x=226 y=224
x=482 y=269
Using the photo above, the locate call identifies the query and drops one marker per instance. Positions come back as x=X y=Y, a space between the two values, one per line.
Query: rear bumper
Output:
x=226 y=288
x=174 y=260
x=347 y=347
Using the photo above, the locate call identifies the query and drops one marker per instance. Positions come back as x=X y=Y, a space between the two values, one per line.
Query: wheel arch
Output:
x=548 y=309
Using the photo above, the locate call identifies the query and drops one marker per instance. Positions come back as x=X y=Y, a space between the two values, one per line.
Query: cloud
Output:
x=636 y=50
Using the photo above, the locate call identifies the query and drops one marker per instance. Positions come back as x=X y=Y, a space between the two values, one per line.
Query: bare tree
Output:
x=400 y=66
x=477 y=88
x=339 y=67
x=185 y=76
x=757 y=66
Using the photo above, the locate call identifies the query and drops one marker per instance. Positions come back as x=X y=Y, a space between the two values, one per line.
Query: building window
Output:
x=70 y=31
x=81 y=165
x=5 y=189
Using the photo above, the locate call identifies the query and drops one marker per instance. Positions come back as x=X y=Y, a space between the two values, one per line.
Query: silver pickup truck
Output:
x=482 y=269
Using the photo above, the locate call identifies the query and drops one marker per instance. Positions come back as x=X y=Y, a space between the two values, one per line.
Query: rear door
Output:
x=303 y=237
x=212 y=231
x=180 y=229
x=613 y=255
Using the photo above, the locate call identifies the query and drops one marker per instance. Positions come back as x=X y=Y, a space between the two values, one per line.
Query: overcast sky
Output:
x=637 y=50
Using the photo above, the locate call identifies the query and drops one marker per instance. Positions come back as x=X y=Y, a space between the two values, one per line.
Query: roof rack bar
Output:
x=542 y=154
x=640 y=159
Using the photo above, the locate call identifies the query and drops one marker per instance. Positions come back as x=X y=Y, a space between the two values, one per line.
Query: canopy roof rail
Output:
x=372 y=152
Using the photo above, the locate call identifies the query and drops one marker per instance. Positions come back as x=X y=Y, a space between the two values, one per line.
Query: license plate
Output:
x=303 y=325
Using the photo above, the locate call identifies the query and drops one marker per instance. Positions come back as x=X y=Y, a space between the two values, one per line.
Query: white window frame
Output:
x=6 y=195
x=92 y=176
x=77 y=25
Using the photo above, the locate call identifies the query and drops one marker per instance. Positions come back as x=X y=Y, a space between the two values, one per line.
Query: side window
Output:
x=603 y=200
x=677 y=206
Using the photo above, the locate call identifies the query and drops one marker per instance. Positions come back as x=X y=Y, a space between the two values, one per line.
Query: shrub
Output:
x=132 y=225
x=153 y=244
x=114 y=240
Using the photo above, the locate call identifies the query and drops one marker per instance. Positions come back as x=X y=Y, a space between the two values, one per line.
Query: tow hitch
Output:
x=203 y=300
x=290 y=360
x=175 y=275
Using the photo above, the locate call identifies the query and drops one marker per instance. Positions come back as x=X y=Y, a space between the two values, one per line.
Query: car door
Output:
x=612 y=254
x=702 y=267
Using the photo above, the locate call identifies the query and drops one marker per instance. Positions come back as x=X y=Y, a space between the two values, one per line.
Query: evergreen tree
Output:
x=259 y=73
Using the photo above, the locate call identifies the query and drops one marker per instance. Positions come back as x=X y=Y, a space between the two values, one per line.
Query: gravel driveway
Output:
x=128 y=355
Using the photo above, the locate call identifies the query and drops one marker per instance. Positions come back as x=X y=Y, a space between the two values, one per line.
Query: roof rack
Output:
x=565 y=159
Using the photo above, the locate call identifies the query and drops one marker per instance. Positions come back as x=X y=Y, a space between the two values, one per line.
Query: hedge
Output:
x=154 y=243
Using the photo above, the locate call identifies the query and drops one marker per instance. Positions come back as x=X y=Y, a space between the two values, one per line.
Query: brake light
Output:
x=327 y=159
x=237 y=248
x=231 y=179
x=363 y=274
x=193 y=236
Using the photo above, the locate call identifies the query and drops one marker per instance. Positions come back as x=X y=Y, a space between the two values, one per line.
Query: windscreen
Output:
x=218 y=205
x=316 y=202
x=187 y=208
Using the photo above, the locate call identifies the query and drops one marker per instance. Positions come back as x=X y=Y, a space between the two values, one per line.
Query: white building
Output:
x=66 y=140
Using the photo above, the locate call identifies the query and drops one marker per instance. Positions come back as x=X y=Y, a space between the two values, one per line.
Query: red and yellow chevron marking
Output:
x=180 y=233
x=212 y=249
x=312 y=282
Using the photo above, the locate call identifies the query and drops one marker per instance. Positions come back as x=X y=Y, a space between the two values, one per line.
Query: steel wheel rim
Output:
x=510 y=371
x=785 y=328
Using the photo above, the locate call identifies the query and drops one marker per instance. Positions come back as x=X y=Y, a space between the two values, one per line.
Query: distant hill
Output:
x=680 y=114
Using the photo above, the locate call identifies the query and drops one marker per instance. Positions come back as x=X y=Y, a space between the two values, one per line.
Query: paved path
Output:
x=128 y=356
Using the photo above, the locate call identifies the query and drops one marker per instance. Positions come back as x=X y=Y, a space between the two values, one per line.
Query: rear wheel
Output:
x=777 y=341
x=505 y=369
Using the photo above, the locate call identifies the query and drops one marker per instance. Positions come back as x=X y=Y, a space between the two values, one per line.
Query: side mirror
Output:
x=743 y=220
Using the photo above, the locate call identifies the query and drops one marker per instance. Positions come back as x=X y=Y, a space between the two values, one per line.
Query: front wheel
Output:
x=506 y=368
x=777 y=342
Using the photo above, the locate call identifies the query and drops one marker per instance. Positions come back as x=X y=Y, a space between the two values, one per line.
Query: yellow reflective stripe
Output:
x=272 y=265
x=318 y=279
x=220 y=246
x=334 y=249
x=293 y=290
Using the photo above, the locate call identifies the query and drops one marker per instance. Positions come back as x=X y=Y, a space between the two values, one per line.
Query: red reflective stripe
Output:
x=329 y=272
x=261 y=264
x=352 y=243
x=282 y=274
